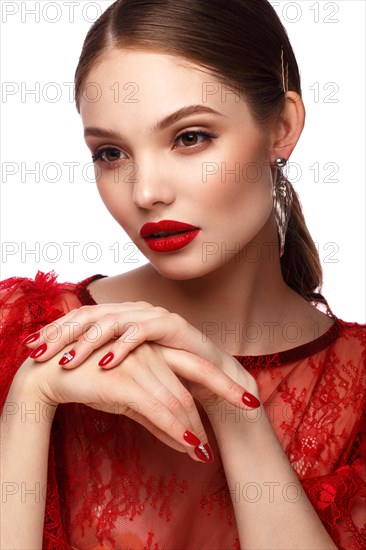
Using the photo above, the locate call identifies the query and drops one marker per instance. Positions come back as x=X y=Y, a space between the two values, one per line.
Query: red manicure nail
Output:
x=38 y=351
x=31 y=338
x=191 y=438
x=250 y=400
x=66 y=358
x=204 y=453
x=106 y=359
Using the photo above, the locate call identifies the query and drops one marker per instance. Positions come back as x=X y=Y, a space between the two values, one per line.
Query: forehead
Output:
x=140 y=80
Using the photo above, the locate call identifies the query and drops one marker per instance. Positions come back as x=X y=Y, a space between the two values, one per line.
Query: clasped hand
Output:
x=163 y=363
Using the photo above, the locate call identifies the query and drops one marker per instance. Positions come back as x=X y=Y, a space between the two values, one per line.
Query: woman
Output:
x=202 y=400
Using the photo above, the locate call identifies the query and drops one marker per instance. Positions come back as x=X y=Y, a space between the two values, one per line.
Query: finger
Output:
x=165 y=438
x=168 y=389
x=158 y=414
x=72 y=322
x=65 y=325
x=165 y=373
x=87 y=330
x=155 y=431
x=103 y=331
x=202 y=371
x=131 y=411
x=149 y=369
x=167 y=329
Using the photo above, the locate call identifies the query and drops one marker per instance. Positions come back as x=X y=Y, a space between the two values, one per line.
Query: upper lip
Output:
x=166 y=226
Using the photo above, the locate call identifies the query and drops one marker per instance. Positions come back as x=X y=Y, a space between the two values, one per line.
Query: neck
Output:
x=239 y=305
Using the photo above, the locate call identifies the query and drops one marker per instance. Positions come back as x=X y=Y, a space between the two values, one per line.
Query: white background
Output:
x=43 y=47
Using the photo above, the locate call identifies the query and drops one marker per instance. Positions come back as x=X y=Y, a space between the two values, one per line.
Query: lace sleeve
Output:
x=27 y=305
x=340 y=497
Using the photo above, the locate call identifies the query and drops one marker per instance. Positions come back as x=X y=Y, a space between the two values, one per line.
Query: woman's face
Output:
x=220 y=184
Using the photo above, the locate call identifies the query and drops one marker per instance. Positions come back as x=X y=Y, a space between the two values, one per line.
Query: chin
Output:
x=181 y=271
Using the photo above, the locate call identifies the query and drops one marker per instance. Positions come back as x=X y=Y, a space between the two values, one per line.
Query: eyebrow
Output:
x=161 y=125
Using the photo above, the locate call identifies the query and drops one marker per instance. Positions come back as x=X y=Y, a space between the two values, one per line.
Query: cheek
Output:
x=237 y=199
x=113 y=190
x=240 y=189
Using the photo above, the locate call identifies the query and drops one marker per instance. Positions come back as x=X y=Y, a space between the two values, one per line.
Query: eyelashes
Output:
x=99 y=155
x=102 y=153
x=202 y=133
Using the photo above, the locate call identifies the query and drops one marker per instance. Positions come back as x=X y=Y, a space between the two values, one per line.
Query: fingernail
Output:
x=66 y=358
x=38 y=351
x=204 y=453
x=250 y=400
x=106 y=359
x=191 y=438
x=31 y=338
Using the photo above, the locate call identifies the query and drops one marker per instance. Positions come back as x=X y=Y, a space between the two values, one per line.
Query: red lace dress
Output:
x=111 y=484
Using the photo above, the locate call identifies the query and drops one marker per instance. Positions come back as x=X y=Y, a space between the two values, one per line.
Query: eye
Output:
x=191 y=136
x=107 y=154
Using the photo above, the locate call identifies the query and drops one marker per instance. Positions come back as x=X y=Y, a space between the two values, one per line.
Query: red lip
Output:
x=166 y=226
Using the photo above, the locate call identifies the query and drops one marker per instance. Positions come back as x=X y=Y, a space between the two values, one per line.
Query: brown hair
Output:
x=238 y=42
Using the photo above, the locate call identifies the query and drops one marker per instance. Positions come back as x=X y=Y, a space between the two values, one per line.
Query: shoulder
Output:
x=352 y=338
x=131 y=286
x=343 y=363
x=45 y=289
x=26 y=305
x=344 y=349
x=352 y=327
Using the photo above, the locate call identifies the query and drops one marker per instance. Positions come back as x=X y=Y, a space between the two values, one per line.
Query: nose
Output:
x=152 y=184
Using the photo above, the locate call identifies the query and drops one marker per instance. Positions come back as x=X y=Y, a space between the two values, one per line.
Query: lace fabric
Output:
x=113 y=485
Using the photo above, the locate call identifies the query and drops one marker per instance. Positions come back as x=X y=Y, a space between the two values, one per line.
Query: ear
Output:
x=286 y=131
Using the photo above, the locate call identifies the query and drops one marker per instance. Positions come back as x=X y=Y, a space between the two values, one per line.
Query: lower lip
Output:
x=172 y=243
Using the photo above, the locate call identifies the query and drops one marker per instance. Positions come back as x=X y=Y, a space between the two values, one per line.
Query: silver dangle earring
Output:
x=282 y=202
